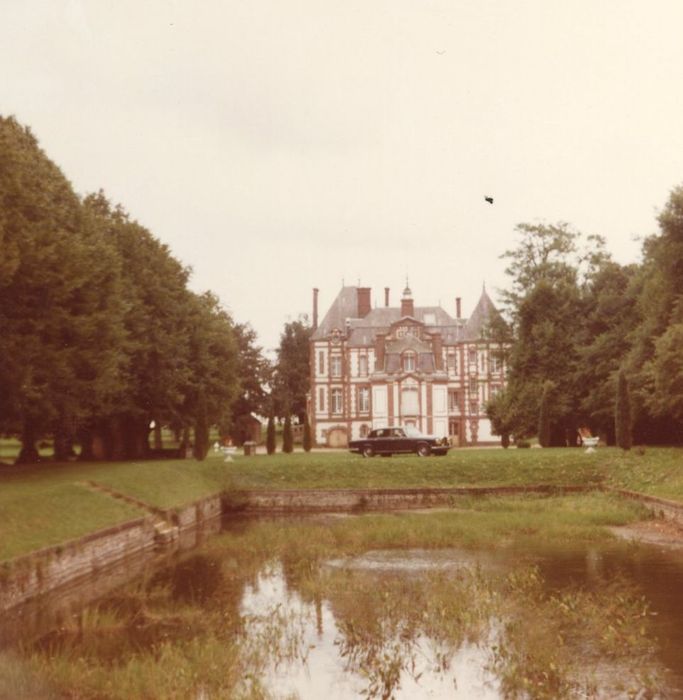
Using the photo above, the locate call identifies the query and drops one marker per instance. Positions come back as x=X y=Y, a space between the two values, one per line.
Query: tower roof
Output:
x=343 y=307
x=484 y=312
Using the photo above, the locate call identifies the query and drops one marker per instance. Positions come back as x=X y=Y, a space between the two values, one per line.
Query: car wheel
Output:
x=368 y=451
x=423 y=451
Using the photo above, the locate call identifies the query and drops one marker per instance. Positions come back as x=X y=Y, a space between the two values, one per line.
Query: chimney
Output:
x=386 y=296
x=458 y=309
x=379 y=351
x=363 y=301
x=437 y=349
x=315 y=308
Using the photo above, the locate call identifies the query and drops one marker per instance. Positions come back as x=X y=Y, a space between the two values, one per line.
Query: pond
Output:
x=309 y=608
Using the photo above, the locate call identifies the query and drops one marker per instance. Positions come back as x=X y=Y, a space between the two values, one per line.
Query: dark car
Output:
x=388 y=441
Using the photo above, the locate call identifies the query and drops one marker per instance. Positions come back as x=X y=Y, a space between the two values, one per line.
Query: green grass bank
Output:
x=50 y=503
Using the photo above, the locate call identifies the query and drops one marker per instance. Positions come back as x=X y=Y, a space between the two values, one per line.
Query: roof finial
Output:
x=407 y=294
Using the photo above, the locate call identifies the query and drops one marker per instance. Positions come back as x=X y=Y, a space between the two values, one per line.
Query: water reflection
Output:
x=327 y=663
x=657 y=572
x=193 y=580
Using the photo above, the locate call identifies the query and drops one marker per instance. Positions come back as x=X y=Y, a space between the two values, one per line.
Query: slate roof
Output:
x=343 y=307
x=483 y=312
x=363 y=331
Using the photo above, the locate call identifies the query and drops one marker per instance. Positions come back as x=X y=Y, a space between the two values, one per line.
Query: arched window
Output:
x=409 y=362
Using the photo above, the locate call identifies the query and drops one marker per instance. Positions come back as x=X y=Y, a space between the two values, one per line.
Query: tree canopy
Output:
x=291 y=379
x=576 y=318
x=101 y=336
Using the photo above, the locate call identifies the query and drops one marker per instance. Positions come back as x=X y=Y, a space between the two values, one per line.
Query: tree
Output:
x=213 y=382
x=544 y=427
x=667 y=371
x=292 y=370
x=545 y=252
x=159 y=324
x=547 y=305
x=254 y=372
x=287 y=437
x=100 y=335
x=270 y=435
x=654 y=378
x=307 y=441
x=610 y=319
x=60 y=309
x=498 y=410
x=622 y=413
x=544 y=350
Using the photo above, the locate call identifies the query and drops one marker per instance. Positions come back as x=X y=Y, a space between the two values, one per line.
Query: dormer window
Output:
x=409 y=362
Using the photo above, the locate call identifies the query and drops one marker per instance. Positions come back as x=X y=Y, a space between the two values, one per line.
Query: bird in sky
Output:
x=489 y=199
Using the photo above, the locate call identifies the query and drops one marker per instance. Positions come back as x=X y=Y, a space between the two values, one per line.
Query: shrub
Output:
x=308 y=442
x=287 y=437
x=544 y=416
x=622 y=413
x=270 y=435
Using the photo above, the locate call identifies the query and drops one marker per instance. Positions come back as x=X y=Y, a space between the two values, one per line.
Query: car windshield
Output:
x=412 y=431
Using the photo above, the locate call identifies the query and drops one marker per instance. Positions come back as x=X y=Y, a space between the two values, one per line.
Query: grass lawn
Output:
x=48 y=503
x=33 y=516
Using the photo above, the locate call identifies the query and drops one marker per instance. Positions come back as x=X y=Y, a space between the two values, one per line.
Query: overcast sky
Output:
x=280 y=145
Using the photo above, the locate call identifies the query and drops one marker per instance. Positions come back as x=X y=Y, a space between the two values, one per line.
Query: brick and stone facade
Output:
x=406 y=365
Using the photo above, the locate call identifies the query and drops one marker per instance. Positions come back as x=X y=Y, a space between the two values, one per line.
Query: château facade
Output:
x=398 y=366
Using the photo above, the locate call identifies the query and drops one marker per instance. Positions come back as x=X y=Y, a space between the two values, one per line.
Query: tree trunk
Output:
x=29 y=453
x=185 y=443
x=622 y=414
x=63 y=446
x=158 y=442
x=86 y=437
x=135 y=437
x=113 y=439
x=201 y=431
x=63 y=438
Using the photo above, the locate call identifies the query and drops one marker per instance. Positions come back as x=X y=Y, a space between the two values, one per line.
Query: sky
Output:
x=281 y=145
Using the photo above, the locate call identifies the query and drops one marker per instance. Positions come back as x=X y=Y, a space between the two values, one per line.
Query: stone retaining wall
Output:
x=197 y=513
x=662 y=508
x=45 y=570
x=36 y=573
x=358 y=500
